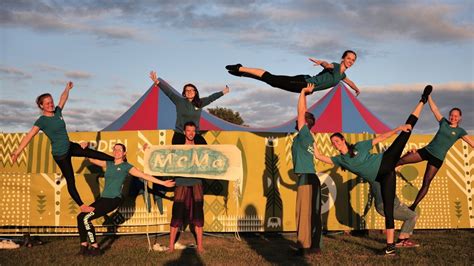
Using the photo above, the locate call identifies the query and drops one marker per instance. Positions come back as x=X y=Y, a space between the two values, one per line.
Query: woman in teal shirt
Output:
x=435 y=152
x=111 y=196
x=188 y=108
x=328 y=78
x=377 y=167
x=52 y=124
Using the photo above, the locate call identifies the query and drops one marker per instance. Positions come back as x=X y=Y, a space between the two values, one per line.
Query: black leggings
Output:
x=179 y=138
x=65 y=164
x=287 y=83
x=102 y=206
x=432 y=167
x=386 y=173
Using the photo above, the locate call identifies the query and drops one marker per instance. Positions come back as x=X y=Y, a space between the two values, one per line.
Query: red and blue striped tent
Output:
x=337 y=111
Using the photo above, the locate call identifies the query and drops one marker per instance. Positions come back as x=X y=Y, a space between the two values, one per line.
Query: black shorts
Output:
x=427 y=156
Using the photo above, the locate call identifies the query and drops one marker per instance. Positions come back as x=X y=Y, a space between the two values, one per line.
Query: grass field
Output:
x=454 y=247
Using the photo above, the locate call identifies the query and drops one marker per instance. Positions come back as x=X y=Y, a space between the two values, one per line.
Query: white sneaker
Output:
x=178 y=245
x=8 y=244
x=160 y=248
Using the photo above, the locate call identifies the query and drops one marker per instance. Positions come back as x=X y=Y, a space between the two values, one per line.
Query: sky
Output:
x=107 y=48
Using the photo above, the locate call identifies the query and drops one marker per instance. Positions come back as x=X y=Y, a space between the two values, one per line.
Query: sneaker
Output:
x=426 y=92
x=233 y=68
x=406 y=243
x=160 y=248
x=94 y=252
x=178 y=245
x=82 y=251
x=390 y=250
x=301 y=252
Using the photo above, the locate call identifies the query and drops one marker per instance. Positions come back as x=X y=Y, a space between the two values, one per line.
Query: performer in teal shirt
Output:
x=111 y=196
x=308 y=196
x=52 y=124
x=188 y=107
x=331 y=75
x=377 y=167
x=435 y=152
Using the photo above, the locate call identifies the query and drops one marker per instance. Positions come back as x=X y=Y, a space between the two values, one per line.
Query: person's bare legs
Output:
x=173 y=232
x=199 y=233
x=252 y=71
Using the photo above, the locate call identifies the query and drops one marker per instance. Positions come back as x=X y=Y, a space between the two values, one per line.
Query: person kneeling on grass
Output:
x=110 y=198
x=401 y=212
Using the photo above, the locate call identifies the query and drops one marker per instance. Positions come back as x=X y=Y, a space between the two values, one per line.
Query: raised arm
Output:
x=352 y=85
x=321 y=63
x=65 y=95
x=468 y=140
x=135 y=172
x=321 y=157
x=386 y=135
x=24 y=142
x=173 y=96
x=209 y=99
x=301 y=109
x=434 y=109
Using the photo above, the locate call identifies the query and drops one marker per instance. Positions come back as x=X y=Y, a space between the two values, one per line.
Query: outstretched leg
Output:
x=409 y=158
x=288 y=83
x=430 y=173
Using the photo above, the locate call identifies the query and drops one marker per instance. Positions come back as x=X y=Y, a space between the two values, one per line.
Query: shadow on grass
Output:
x=360 y=240
x=189 y=256
x=274 y=248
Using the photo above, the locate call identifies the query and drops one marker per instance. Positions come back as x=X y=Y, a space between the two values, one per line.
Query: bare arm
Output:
x=386 y=135
x=352 y=85
x=468 y=140
x=135 y=172
x=321 y=157
x=65 y=95
x=24 y=142
x=301 y=109
x=321 y=63
x=97 y=162
x=434 y=109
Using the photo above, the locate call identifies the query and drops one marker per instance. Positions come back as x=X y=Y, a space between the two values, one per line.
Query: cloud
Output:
x=66 y=19
x=294 y=25
x=453 y=86
x=78 y=75
x=12 y=72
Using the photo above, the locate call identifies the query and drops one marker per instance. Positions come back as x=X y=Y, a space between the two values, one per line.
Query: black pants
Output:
x=179 y=138
x=65 y=164
x=102 y=207
x=287 y=83
x=386 y=173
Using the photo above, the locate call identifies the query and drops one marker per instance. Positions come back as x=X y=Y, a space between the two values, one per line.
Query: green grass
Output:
x=453 y=247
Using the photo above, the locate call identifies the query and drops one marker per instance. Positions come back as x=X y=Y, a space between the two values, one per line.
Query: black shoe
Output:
x=234 y=68
x=426 y=92
x=94 y=252
x=389 y=250
x=82 y=251
x=235 y=73
x=301 y=252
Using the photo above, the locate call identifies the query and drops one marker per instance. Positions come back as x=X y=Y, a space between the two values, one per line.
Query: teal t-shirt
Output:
x=185 y=110
x=444 y=139
x=114 y=177
x=363 y=164
x=327 y=78
x=55 y=128
x=302 y=151
x=187 y=182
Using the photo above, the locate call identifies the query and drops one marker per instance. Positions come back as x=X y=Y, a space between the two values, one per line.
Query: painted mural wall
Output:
x=34 y=197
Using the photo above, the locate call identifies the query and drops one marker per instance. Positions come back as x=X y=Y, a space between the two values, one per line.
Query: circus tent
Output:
x=337 y=111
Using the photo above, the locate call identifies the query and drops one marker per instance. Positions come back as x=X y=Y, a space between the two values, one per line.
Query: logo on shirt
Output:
x=310 y=149
x=118 y=169
x=453 y=133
